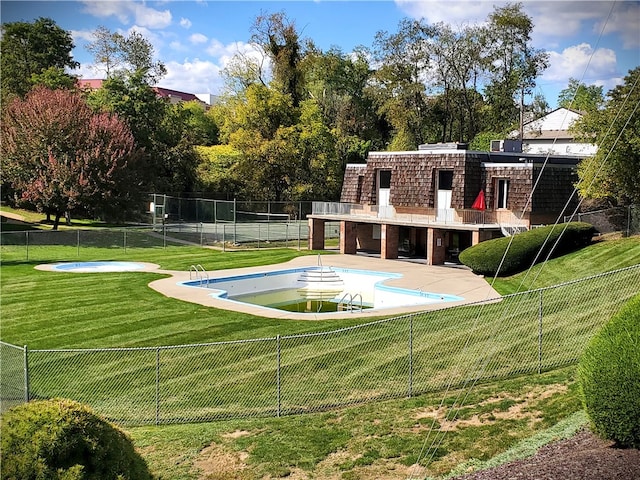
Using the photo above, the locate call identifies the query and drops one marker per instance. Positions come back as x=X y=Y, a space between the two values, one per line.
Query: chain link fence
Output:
x=523 y=333
x=618 y=219
x=166 y=208
x=34 y=244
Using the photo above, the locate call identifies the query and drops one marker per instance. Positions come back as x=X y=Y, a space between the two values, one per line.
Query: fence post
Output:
x=224 y=229
x=26 y=374
x=78 y=242
x=201 y=234
x=124 y=241
x=157 y=386
x=164 y=236
x=27 y=244
x=628 y=221
x=299 y=235
x=540 y=333
x=410 y=356
x=278 y=370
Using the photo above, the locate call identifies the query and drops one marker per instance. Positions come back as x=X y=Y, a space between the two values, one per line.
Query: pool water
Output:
x=98 y=267
x=290 y=300
x=317 y=290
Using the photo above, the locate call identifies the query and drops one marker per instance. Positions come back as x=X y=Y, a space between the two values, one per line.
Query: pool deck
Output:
x=448 y=279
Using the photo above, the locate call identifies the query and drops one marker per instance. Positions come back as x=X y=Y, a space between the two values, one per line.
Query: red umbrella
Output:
x=479 y=203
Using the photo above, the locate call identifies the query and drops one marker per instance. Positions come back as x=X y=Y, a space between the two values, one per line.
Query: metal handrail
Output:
x=198 y=269
x=350 y=303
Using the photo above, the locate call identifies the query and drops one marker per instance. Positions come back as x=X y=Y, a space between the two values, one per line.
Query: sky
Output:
x=596 y=42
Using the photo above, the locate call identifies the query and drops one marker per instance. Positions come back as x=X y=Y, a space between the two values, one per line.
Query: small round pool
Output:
x=98 y=267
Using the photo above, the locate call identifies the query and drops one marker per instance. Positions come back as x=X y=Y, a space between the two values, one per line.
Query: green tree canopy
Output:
x=28 y=50
x=614 y=172
x=578 y=96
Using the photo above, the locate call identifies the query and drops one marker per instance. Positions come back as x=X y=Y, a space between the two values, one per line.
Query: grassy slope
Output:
x=383 y=438
x=602 y=256
x=354 y=442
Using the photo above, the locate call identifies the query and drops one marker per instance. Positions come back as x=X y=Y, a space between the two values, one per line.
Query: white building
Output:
x=550 y=134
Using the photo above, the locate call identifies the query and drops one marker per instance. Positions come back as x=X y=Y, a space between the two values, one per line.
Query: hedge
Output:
x=609 y=377
x=527 y=248
x=63 y=439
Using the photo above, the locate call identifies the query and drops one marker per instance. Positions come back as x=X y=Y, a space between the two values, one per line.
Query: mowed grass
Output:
x=46 y=310
x=367 y=441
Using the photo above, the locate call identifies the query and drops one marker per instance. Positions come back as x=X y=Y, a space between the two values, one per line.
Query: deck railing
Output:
x=421 y=215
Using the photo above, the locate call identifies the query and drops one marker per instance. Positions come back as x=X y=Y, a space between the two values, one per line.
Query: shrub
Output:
x=609 y=376
x=485 y=257
x=62 y=439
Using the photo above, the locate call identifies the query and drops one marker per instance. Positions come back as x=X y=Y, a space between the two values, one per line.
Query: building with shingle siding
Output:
x=421 y=203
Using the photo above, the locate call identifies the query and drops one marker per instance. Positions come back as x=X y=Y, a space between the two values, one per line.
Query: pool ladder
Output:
x=350 y=306
x=200 y=274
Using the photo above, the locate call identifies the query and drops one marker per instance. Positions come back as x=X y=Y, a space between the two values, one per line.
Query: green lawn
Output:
x=55 y=310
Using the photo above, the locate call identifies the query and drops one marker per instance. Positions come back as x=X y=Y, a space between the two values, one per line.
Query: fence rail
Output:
x=617 y=219
x=522 y=333
x=223 y=235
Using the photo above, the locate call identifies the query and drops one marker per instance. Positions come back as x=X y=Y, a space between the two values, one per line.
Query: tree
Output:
x=258 y=129
x=122 y=55
x=398 y=84
x=105 y=50
x=59 y=156
x=161 y=131
x=457 y=67
x=200 y=128
x=28 y=50
x=337 y=83
x=278 y=37
x=513 y=64
x=614 y=172
x=217 y=170
x=579 y=96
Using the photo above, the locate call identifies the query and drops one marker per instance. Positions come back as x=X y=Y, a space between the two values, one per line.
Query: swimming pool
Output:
x=317 y=290
x=97 y=267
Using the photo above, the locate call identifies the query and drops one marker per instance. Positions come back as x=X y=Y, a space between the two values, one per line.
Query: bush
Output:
x=62 y=439
x=485 y=257
x=609 y=376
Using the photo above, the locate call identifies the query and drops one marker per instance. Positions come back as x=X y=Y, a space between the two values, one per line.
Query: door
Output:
x=384 y=193
x=443 y=201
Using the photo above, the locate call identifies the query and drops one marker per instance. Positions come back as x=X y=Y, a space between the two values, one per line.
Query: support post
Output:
x=410 y=356
x=26 y=374
x=278 y=371
x=540 y=333
x=157 y=386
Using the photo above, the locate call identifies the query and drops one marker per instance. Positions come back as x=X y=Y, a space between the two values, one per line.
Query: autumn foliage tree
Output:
x=59 y=156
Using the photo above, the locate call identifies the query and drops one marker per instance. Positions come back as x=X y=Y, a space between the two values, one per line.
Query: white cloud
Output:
x=625 y=21
x=185 y=23
x=198 y=38
x=225 y=53
x=125 y=10
x=452 y=12
x=85 y=35
x=193 y=76
x=583 y=63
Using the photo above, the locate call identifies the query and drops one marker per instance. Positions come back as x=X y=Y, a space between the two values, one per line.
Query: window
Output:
x=445 y=180
x=385 y=179
x=502 y=188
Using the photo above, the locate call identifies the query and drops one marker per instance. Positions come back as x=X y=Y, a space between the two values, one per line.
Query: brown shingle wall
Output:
x=414 y=178
x=520 y=184
x=554 y=189
x=350 y=183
